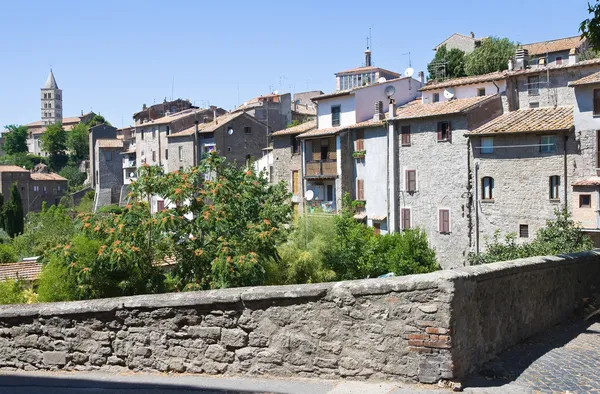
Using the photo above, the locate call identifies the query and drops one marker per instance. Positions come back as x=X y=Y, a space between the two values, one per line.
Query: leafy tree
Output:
x=25 y=160
x=14 y=213
x=74 y=176
x=15 y=141
x=78 y=142
x=54 y=141
x=11 y=292
x=590 y=27
x=7 y=254
x=55 y=283
x=492 y=55
x=454 y=60
x=2 y=212
x=96 y=120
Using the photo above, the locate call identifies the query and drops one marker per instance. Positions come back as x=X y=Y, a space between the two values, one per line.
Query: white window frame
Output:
x=449 y=219
x=36 y=188
x=487 y=150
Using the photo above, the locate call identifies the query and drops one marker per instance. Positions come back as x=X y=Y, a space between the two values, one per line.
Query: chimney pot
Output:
x=573 y=56
x=472 y=35
x=368 y=58
x=421 y=75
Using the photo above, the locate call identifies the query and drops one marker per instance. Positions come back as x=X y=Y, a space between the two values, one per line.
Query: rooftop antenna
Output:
x=409 y=62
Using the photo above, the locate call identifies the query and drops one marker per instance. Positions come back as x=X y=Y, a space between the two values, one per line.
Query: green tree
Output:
x=78 y=142
x=11 y=292
x=14 y=213
x=7 y=254
x=590 y=27
x=55 y=283
x=96 y=120
x=492 y=55
x=15 y=141
x=2 y=212
x=54 y=141
x=73 y=175
x=25 y=160
x=451 y=61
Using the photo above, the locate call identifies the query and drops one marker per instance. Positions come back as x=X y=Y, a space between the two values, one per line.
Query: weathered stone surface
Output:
x=55 y=358
x=234 y=338
x=205 y=332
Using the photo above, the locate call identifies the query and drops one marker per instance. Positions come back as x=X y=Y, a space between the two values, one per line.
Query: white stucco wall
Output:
x=365 y=99
x=347 y=115
x=583 y=113
x=467 y=91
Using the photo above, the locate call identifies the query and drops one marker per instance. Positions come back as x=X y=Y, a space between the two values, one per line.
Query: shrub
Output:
x=7 y=254
x=11 y=292
x=55 y=283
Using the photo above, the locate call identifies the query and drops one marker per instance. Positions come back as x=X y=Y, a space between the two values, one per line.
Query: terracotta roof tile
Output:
x=211 y=126
x=301 y=128
x=336 y=130
x=590 y=79
x=591 y=181
x=416 y=109
x=110 y=143
x=495 y=76
x=561 y=44
x=529 y=120
x=25 y=270
x=170 y=118
x=38 y=176
x=555 y=67
x=11 y=168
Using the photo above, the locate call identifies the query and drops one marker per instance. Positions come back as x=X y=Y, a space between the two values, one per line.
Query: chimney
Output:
x=215 y=114
x=472 y=35
x=368 y=58
x=392 y=108
x=511 y=64
x=421 y=75
x=573 y=56
x=521 y=59
x=144 y=107
x=378 y=116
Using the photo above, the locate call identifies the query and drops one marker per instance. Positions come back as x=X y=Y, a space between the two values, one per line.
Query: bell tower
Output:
x=51 y=98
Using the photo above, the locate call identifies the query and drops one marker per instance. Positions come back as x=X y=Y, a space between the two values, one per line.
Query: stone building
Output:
x=98 y=132
x=467 y=44
x=554 y=52
x=273 y=109
x=365 y=75
x=108 y=165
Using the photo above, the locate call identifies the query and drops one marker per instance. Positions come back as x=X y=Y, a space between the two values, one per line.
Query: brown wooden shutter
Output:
x=295 y=183
x=411 y=180
x=376 y=228
x=360 y=142
x=160 y=205
x=405 y=218
x=444 y=217
x=439 y=131
x=405 y=132
x=449 y=131
x=360 y=189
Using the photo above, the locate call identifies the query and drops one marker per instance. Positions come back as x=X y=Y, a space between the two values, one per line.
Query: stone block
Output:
x=234 y=338
x=213 y=333
x=55 y=358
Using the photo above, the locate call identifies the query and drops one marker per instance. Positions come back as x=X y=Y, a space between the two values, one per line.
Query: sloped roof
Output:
x=591 y=181
x=215 y=124
x=38 y=176
x=529 y=120
x=417 y=109
x=589 y=80
x=475 y=39
x=299 y=129
x=25 y=270
x=555 y=67
x=170 y=118
x=51 y=81
x=495 y=76
x=11 y=168
x=338 y=129
x=560 y=44
x=110 y=143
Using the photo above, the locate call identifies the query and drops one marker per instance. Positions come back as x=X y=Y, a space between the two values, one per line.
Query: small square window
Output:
x=523 y=230
x=487 y=145
x=248 y=130
x=534 y=105
x=548 y=144
x=585 y=201
x=436 y=97
x=559 y=60
x=481 y=92
x=443 y=131
x=108 y=155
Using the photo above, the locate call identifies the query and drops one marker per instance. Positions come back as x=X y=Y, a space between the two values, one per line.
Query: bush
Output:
x=74 y=176
x=25 y=160
x=11 y=292
x=55 y=283
x=7 y=254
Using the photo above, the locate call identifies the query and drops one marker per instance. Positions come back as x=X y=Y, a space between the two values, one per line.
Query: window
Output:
x=58 y=187
x=444 y=219
x=108 y=155
x=548 y=144
x=335 y=115
x=598 y=149
x=153 y=133
x=596 y=101
x=166 y=154
x=168 y=130
x=487 y=188
x=554 y=184
x=533 y=85
x=436 y=97
x=247 y=129
x=36 y=188
x=376 y=228
x=154 y=155
x=411 y=180
x=443 y=131
x=523 y=230
x=181 y=153
x=142 y=134
x=44 y=189
x=360 y=189
x=481 y=92
x=49 y=95
x=558 y=60
x=359 y=144
x=295 y=144
x=487 y=145
x=585 y=201
x=405 y=212
x=405 y=134
x=535 y=104
x=295 y=182
x=330 y=196
x=160 y=205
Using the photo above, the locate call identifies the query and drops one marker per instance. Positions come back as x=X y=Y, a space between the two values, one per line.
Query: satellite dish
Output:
x=449 y=93
x=381 y=80
x=390 y=91
x=276 y=92
x=309 y=195
x=230 y=130
x=409 y=72
x=132 y=174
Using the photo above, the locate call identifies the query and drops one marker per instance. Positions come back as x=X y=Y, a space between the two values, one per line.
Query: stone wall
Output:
x=416 y=328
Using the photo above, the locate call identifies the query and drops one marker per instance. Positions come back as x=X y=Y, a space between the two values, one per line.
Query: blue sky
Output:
x=112 y=56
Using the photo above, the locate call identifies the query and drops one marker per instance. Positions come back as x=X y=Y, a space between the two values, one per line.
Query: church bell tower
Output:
x=51 y=99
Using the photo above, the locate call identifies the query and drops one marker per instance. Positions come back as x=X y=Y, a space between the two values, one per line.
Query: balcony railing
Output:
x=321 y=168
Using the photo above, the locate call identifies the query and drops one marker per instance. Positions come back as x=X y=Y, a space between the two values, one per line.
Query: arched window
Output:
x=49 y=105
x=487 y=188
x=49 y=95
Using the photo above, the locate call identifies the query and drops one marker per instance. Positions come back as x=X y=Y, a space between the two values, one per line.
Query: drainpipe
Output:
x=391 y=165
x=196 y=144
x=497 y=87
x=477 y=206
x=566 y=183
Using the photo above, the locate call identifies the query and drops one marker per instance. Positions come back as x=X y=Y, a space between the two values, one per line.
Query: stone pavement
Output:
x=565 y=358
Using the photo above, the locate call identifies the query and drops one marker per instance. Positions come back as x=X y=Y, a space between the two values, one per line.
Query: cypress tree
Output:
x=14 y=213
x=2 y=212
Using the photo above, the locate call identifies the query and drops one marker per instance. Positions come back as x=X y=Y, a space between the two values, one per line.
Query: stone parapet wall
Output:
x=415 y=328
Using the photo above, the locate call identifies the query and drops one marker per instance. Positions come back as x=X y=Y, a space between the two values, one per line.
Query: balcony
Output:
x=129 y=163
x=321 y=168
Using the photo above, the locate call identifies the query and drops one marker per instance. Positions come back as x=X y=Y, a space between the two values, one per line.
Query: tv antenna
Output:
x=409 y=62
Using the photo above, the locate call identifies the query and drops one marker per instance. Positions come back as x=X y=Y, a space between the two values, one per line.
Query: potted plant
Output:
x=359 y=154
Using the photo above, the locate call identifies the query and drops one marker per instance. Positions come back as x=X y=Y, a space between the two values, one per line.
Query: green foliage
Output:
x=55 y=282
x=589 y=54
x=11 y=292
x=302 y=257
x=560 y=236
x=54 y=141
x=96 y=120
x=454 y=60
x=2 y=212
x=590 y=27
x=87 y=203
x=75 y=177
x=492 y=55
x=294 y=122
x=25 y=160
x=15 y=141
x=78 y=143
x=14 y=221
x=7 y=254
x=44 y=230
